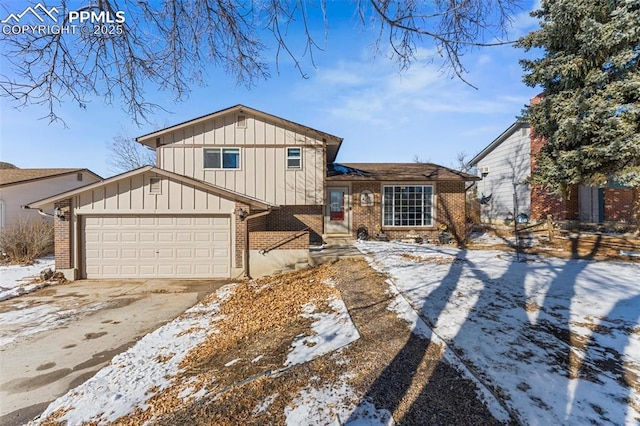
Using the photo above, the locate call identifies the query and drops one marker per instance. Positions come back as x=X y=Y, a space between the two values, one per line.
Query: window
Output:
x=222 y=158
x=79 y=177
x=408 y=205
x=155 y=187
x=294 y=158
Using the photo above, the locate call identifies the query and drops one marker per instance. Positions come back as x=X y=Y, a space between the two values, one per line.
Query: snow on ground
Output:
x=25 y=320
x=334 y=406
x=16 y=280
x=487 y=239
x=557 y=340
x=134 y=376
x=332 y=330
x=150 y=366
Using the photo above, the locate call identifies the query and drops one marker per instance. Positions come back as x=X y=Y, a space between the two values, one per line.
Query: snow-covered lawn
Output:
x=16 y=280
x=558 y=341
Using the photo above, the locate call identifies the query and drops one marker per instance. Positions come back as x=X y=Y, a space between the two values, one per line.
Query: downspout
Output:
x=246 y=239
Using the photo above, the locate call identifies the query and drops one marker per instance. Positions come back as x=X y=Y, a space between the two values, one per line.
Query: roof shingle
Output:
x=14 y=176
x=394 y=172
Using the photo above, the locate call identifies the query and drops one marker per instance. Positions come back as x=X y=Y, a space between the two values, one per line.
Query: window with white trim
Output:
x=294 y=158
x=221 y=158
x=407 y=205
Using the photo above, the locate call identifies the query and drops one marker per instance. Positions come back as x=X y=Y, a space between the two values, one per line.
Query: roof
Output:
x=149 y=138
x=497 y=141
x=395 y=172
x=16 y=176
x=214 y=189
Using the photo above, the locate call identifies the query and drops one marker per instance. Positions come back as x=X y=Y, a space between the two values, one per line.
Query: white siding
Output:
x=263 y=173
x=509 y=162
x=15 y=196
x=133 y=195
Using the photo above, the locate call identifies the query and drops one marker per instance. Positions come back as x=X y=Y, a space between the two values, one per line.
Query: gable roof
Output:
x=10 y=176
x=214 y=189
x=395 y=172
x=329 y=139
x=497 y=141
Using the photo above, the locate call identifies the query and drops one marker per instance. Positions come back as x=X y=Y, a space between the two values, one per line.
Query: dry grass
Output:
x=388 y=366
x=261 y=318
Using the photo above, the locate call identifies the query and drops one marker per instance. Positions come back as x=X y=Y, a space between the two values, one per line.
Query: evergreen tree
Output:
x=590 y=76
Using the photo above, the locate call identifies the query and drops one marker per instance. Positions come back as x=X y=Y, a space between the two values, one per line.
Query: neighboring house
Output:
x=241 y=184
x=507 y=160
x=18 y=187
x=510 y=158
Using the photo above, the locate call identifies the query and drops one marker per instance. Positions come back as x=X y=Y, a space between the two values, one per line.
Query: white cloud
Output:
x=523 y=22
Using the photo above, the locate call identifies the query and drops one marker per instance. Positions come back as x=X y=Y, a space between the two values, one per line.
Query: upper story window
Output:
x=294 y=158
x=222 y=158
x=408 y=205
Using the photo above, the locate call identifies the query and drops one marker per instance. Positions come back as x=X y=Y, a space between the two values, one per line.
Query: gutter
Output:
x=39 y=211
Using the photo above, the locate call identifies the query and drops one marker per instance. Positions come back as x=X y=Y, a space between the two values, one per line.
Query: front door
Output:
x=336 y=218
x=590 y=202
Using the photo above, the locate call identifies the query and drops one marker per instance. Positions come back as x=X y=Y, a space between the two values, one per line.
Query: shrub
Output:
x=27 y=240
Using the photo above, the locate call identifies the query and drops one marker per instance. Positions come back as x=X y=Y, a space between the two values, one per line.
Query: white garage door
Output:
x=157 y=246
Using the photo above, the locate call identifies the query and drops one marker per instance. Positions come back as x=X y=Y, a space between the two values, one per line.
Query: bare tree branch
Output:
x=169 y=45
x=125 y=154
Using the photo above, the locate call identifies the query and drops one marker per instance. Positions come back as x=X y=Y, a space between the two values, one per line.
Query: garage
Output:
x=156 y=246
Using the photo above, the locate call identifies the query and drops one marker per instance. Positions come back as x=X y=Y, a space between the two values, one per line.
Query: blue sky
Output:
x=382 y=114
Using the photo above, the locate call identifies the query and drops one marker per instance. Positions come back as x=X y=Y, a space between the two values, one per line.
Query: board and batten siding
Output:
x=133 y=195
x=263 y=147
x=509 y=162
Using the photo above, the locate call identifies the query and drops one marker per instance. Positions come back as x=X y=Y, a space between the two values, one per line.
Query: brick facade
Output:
x=371 y=216
x=240 y=235
x=544 y=203
x=296 y=218
x=259 y=240
x=281 y=223
x=63 y=236
x=449 y=209
x=622 y=205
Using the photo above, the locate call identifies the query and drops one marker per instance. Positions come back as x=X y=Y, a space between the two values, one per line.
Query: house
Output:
x=504 y=167
x=240 y=191
x=504 y=162
x=20 y=186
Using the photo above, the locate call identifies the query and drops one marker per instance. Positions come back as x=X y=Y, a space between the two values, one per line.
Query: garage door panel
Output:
x=110 y=221
x=166 y=237
x=147 y=253
x=184 y=253
x=157 y=246
x=129 y=270
x=184 y=237
x=129 y=237
x=146 y=220
x=129 y=221
x=147 y=236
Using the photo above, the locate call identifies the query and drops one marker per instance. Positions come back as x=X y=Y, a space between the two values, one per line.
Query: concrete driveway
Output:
x=57 y=338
